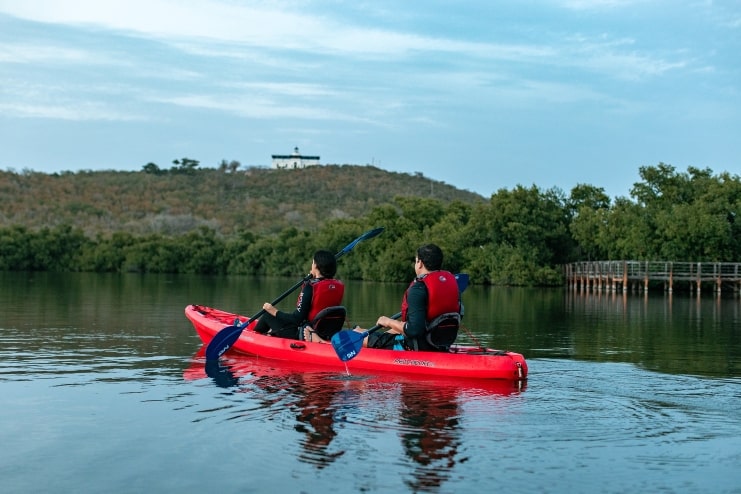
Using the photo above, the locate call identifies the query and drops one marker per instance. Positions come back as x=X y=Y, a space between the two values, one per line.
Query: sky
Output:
x=482 y=94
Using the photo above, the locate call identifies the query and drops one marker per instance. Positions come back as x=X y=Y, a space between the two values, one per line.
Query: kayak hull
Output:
x=461 y=361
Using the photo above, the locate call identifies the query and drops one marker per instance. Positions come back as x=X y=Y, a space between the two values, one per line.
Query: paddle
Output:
x=347 y=344
x=224 y=339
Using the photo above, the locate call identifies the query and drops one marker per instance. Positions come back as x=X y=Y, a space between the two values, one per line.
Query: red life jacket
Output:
x=442 y=294
x=327 y=292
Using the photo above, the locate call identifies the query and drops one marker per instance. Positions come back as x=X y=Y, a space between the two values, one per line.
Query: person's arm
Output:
x=417 y=300
x=300 y=314
x=416 y=323
x=394 y=326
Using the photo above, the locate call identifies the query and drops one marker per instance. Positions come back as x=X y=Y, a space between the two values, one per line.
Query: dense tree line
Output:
x=519 y=237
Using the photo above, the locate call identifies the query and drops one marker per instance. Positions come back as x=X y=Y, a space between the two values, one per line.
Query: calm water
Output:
x=101 y=393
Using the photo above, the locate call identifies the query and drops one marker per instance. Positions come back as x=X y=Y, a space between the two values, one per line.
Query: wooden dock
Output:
x=637 y=275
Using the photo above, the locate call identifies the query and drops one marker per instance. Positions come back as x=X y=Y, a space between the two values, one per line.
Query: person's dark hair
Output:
x=325 y=263
x=431 y=256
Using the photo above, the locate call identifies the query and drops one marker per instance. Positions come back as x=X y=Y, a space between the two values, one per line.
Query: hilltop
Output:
x=262 y=200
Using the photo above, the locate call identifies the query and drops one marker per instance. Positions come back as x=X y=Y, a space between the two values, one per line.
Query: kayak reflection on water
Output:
x=425 y=413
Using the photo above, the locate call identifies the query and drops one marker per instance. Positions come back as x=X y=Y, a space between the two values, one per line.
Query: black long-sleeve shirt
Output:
x=303 y=308
x=416 y=323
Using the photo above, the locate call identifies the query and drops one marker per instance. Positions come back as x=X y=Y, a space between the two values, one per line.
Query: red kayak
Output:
x=461 y=361
x=236 y=369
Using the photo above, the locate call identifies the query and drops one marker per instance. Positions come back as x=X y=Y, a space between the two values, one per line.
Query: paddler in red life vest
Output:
x=432 y=293
x=320 y=292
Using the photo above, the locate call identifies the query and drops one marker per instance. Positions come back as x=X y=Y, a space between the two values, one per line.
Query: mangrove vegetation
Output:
x=218 y=221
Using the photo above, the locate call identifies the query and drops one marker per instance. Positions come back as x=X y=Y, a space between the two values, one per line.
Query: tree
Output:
x=152 y=168
x=625 y=233
x=229 y=166
x=15 y=249
x=58 y=249
x=203 y=252
x=687 y=215
x=587 y=207
x=519 y=232
x=186 y=166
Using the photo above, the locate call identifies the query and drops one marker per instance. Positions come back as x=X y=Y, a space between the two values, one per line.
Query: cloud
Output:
x=57 y=100
x=259 y=108
x=274 y=35
x=215 y=21
x=35 y=53
x=77 y=112
x=599 y=4
x=616 y=59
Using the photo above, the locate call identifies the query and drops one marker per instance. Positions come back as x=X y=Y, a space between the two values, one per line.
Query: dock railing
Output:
x=637 y=275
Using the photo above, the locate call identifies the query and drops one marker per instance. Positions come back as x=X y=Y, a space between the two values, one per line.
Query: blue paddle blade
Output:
x=365 y=236
x=462 y=280
x=222 y=341
x=347 y=344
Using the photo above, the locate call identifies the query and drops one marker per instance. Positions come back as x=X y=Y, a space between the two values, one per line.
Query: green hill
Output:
x=172 y=202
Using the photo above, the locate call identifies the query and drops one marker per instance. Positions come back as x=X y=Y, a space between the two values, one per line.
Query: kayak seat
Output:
x=328 y=322
x=443 y=330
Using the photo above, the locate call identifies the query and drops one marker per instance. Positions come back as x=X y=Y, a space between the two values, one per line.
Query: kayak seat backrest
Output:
x=443 y=330
x=329 y=321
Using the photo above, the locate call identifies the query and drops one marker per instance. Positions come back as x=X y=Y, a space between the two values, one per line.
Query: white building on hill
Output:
x=295 y=160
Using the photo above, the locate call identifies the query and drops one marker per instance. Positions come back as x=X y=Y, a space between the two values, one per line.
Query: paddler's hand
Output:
x=267 y=307
x=387 y=322
x=383 y=321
